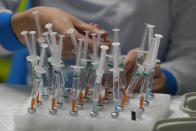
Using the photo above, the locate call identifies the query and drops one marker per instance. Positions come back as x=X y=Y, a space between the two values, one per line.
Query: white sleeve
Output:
x=181 y=56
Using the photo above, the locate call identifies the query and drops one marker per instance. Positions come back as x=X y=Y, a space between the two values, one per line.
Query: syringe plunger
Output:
x=26 y=39
x=104 y=48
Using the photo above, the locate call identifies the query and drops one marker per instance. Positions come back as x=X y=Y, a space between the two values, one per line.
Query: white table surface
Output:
x=12 y=97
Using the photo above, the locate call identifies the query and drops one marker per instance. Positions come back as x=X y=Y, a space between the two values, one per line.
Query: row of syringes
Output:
x=91 y=77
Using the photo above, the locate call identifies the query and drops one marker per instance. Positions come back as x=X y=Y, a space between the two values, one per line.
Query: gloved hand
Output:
x=61 y=21
x=159 y=78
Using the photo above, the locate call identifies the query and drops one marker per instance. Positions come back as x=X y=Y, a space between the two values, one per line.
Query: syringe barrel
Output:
x=104 y=48
x=42 y=56
x=53 y=41
x=97 y=88
x=99 y=33
x=116 y=54
x=32 y=33
x=36 y=84
x=52 y=51
x=82 y=79
x=150 y=34
x=57 y=83
x=79 y=52
x=95 y=50
x=44 y=46
x=73 y=38
x=37 y=22
x=85 y=49
x=145 y=82
x=116 y=35
x=143 y=41
x=116 y=86
x=151 y=79
x=60 y=46
x=158 y=40
x=122 y=79
x=134 y=80
x=75 y=85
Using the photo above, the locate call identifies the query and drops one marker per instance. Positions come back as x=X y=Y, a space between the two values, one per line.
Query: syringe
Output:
x=57 y=65
x=82 y=80
x=147 y=82
x=116 y=84
x=52 y=51
x=60 y=47
x=122 y=80
x=98 y=40
x=146 y=77
x=99 y=75
x=62 y=81
x=92 y=69
x=56 y=51
x=138 y=70
x=33 y=61
x=44 y=95
x=38 y=82
x=76 y=79
x=132 y=85
x=108 y=77
x=57 y=86
x=33 y=58
x=110 y=65
x=84 y=72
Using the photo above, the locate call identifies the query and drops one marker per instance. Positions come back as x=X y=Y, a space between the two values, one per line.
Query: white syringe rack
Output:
x=42 y=120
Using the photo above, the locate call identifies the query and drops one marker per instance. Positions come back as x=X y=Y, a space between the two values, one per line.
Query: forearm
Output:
x=8 y=39
x=183 y=69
